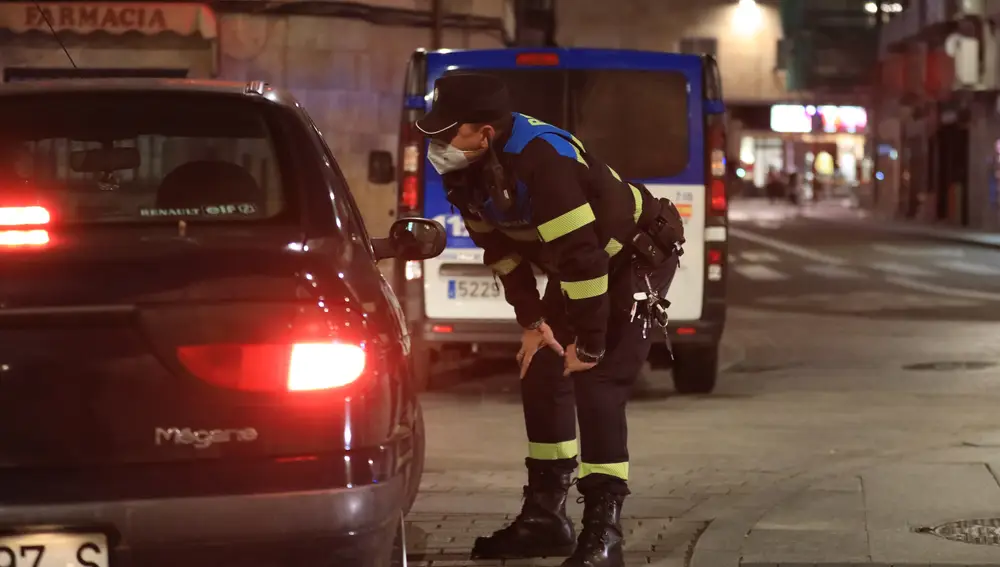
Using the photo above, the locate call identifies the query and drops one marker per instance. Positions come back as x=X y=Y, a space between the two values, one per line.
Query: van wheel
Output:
x=696 y=368
x=417 y=464
x=654 y=380
x=422 y=359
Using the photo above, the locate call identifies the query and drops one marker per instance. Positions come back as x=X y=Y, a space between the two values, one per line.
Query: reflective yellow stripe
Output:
x=567 y=223
x=637 y=196
x=613 y=247
x=579 y=157
x=577 y=142
x=552 y=451
x=585 y=289
x=617 y=470
x=478 y=225
x=521 y=234
x=615 y=173
x=507 y=264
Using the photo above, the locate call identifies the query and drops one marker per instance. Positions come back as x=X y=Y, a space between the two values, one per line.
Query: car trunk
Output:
x=90 y=326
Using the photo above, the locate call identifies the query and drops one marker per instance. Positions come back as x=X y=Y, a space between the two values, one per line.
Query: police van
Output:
x=656 y=118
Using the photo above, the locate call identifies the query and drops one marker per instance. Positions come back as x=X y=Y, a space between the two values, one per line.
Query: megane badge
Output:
x=203 y=438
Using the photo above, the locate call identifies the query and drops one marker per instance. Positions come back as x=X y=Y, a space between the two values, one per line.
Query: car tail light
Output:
x=27 y=220
x=297 y=367
x=24 y=216
x=539 y=59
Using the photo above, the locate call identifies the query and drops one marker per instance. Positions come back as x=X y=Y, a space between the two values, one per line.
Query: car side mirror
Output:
x=380 y=167
x=411 y=239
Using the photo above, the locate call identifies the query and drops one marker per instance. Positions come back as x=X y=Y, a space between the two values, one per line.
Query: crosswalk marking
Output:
x=759 y=272
x=920 y=251
x=830 y=271
x=760 y=256
x=902 y=269
x=970 y=268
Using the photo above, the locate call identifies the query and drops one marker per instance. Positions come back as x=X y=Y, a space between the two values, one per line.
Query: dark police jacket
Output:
x=572 y=216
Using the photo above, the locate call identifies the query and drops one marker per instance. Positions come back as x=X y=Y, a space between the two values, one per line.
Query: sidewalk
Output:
x=876 y=516
x=843 y=211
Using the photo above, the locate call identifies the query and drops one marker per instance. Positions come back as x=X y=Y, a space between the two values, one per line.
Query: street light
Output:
x=890 y=7
x=747 y=18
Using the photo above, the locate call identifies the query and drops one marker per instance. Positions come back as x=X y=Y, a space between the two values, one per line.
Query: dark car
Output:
x=200 y=363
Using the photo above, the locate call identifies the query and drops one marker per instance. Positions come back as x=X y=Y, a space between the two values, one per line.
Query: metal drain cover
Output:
x=980 y=532
x=950 y=365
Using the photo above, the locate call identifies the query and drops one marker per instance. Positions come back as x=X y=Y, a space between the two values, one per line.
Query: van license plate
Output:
x=482 y=288
x=54 y=550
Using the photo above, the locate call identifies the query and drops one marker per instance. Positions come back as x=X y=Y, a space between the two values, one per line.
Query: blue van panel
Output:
x=439 y=62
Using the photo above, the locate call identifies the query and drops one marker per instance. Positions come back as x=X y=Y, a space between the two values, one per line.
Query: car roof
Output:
x=232 y=88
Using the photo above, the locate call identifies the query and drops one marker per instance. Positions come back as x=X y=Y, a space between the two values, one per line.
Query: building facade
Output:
x=939 y=126
x=771 y=54
x=345 y=61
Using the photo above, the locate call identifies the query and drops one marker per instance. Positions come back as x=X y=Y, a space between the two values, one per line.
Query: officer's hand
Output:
x=533 y=340
x=573 y=363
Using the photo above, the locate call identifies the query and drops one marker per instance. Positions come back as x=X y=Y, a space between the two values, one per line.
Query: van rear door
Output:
x=656 y=138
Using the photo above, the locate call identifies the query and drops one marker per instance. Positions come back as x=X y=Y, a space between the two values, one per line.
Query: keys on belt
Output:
x=655 y=308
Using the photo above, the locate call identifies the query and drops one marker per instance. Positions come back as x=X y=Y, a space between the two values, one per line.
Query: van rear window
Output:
x=107 y=157
x=635 y=121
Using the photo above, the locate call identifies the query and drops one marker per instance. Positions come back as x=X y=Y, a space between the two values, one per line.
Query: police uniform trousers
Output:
x=596 y=398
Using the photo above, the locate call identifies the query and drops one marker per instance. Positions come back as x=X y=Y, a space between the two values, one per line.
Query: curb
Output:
x=895 y=227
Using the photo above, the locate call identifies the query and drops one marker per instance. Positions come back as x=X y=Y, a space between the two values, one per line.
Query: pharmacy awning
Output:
x=82 y=18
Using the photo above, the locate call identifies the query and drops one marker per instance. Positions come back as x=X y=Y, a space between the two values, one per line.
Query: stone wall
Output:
x=747 y=38
x=349 y=76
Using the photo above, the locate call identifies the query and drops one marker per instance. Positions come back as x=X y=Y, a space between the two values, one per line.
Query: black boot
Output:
x=542 y=528
x=601 y=540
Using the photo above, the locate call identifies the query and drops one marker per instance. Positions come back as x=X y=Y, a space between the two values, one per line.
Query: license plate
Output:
x=471 y=289
x=54 y=550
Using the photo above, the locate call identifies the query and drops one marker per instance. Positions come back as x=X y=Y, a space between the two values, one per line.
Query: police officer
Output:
x=531 y=194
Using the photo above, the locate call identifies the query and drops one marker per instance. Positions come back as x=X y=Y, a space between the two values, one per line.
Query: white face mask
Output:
x=447 y=158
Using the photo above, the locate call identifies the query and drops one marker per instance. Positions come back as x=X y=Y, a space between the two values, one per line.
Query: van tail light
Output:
x=714 y=268
x=715 y=135
x=275 y=368
x=27 y=221
x=411 y=146
x=717 y=195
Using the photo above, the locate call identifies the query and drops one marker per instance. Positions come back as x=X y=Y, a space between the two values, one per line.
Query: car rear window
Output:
x=635 y=121
x=107 y=157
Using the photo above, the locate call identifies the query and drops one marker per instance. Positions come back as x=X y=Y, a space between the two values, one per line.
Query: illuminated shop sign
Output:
x=796 y=118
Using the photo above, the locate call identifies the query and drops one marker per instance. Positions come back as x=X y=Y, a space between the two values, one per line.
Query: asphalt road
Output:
x=846 y=347
x=779 y=262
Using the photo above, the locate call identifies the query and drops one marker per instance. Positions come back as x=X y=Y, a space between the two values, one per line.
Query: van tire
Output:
x=696 y=368
x=421 y=356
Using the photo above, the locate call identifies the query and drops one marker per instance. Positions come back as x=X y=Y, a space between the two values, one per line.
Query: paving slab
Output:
x=901 y=498
x=438 y=540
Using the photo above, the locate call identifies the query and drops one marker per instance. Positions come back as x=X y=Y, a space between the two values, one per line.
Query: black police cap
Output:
x=466 y=98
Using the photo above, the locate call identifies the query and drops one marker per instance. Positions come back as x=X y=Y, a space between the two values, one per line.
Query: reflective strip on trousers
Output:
x=553 y=451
